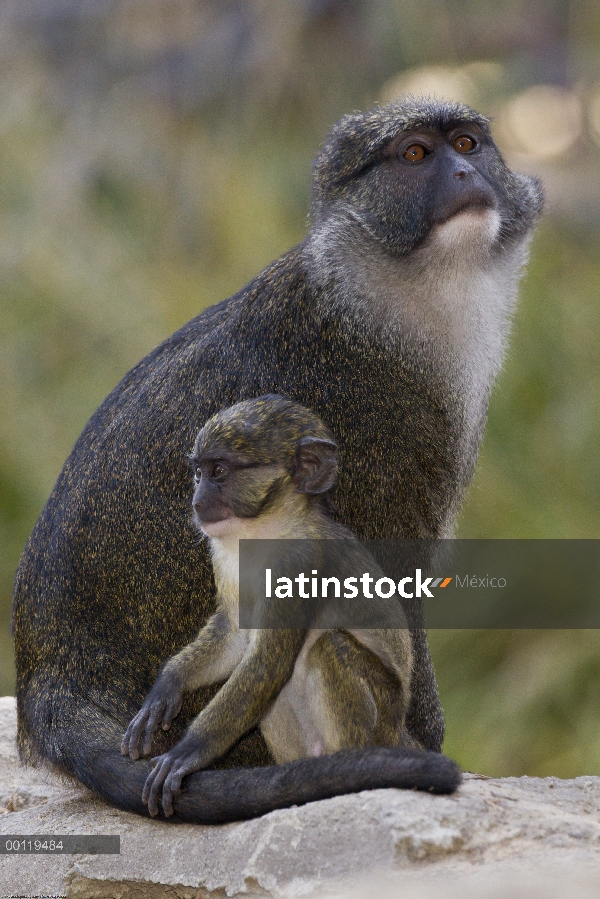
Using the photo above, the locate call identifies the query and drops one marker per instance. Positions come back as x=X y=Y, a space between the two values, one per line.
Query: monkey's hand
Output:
x=162 y=704
x=170 y=769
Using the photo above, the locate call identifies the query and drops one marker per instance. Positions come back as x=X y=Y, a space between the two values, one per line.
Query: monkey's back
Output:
x=113 y=581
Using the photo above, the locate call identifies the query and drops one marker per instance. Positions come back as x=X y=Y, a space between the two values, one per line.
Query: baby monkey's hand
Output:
x=169 y=770
x=162 y=704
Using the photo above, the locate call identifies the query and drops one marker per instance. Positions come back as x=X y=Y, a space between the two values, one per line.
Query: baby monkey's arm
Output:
x=211 y=657
x=238 y=706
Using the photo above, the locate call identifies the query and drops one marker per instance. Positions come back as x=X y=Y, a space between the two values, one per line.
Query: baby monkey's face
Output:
x=256 y=460
x=231 y=489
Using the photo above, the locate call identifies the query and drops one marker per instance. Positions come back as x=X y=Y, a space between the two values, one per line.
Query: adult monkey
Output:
x=389 y=320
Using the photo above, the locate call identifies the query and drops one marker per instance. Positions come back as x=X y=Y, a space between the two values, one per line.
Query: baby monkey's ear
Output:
x=316 y=465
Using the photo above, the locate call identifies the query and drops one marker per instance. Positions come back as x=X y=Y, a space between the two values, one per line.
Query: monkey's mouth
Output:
x=476 y=202
x=218 y=527
x=209 y=518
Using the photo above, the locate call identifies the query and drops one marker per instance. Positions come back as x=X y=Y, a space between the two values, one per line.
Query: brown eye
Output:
x=198 y=473
x=219 y=470
x=415 y=153
x=463 y=144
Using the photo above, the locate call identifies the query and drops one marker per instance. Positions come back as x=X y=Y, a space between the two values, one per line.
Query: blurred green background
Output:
x=155 y=154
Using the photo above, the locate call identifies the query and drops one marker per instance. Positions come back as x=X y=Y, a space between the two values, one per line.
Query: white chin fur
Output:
x=471 y=227
x=220 y=528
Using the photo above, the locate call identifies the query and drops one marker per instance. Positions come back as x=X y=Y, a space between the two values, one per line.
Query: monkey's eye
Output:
x=198 y=473
x=464 y=144
x=219 y=471
x=415 y=153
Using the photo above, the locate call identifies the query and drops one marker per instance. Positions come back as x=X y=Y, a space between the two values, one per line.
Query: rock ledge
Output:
x=526 y=837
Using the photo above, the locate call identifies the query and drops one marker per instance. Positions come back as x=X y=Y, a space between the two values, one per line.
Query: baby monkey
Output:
x=262 y=470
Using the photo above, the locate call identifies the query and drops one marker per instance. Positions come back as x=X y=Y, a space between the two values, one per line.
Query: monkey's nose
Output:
x=461 y=168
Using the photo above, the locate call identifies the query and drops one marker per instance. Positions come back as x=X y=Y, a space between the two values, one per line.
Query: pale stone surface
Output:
x=523 y=837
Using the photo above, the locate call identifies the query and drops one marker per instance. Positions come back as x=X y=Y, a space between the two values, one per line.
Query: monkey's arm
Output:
x=212 y=656
x=238 y=706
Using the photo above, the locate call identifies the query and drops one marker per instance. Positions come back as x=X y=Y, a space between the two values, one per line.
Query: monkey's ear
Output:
x=316 y=465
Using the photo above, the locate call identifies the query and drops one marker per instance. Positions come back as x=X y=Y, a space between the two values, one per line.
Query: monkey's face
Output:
x=450 y=171
x=258 y=459
x=430 y=166
x=229 y=487
x=428 y=181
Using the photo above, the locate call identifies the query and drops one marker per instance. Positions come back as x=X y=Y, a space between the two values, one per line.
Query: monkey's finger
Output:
x=167 y=799
x=130 y=743
x=172 y=711
x=153 y=785
x=136 y=739
x=126 y=739
x=156 y=713
x=172 y=787
x=147 y=787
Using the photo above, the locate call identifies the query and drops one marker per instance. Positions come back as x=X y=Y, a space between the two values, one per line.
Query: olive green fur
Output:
x=348 y=678
x=263 y=429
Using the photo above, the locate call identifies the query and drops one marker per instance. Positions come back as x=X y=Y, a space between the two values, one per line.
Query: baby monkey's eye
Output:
x=219 y=470
x=463 y=143
x=415 y=153
x=198 y=473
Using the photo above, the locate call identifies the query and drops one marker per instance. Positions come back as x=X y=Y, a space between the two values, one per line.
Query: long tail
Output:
x=214 y=797
x=235 y=794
